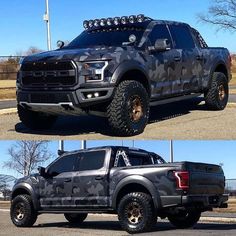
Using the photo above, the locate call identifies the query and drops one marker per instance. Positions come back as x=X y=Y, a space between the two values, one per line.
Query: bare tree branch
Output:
x=25 y=156
x=222 y=13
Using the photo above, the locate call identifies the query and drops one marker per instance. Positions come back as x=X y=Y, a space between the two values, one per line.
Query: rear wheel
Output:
x=217 y=96
x=128 y=112
x=184 y=219
x=75 y=218
x=35 y=120
x=136 y=212
x=22 y=211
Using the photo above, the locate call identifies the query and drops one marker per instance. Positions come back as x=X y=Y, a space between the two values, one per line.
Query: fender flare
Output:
x=127 y=66
x=213 y=69
x=137 y=179
x=27 y=187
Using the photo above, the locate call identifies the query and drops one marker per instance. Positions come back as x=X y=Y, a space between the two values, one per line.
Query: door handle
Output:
x=177 y=58
x=199 y=58
x=67 y=180
x=98 y=178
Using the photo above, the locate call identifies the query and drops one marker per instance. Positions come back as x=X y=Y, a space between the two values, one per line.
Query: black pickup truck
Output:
x=118 y=68
x=137 y=185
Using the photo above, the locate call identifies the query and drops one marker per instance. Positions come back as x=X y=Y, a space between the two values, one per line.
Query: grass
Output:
x=7 y=84
x=7 y=93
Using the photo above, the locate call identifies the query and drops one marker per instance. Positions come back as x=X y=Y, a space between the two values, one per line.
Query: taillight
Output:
x=182 y=179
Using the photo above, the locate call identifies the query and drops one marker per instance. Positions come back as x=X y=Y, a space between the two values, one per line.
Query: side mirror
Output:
x=60 y=44
x=161 y=45
x=42 y=171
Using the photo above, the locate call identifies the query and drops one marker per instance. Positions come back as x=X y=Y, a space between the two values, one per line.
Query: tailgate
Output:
x=205 y=178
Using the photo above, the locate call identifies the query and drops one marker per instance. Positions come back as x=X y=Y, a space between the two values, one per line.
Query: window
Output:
x=159 y=32
x=93 y=160
x=139 y=159
x=63 y=164
x=182 y=37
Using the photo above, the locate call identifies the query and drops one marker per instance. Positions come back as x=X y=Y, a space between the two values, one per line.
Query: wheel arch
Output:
x=25 y=188
x=135 y=184
x=219 y=67
x=132 y=70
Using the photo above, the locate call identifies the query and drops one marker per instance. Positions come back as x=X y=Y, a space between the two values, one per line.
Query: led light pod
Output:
x=117 y=20
x=96 y=23
x=91 y=23
x=103 y=22
x=124 y=20
x=110 y=21
x=132 y=19
x=140 y=18
x=86 y=24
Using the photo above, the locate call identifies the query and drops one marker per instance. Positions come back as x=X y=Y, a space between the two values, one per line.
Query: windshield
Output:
x=106 y=37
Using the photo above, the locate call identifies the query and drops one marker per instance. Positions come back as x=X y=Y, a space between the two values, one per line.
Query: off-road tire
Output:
x=141 y=201
x=35 y=120
x=128 y=112
x=22 y=211
x=74 y=218
x=217 y=96
x=185 y=219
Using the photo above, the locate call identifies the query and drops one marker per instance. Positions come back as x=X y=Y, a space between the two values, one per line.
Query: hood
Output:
x=84 y=54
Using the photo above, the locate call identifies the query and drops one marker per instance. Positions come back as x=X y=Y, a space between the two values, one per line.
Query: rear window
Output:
x=93 y=160
x=182 y=37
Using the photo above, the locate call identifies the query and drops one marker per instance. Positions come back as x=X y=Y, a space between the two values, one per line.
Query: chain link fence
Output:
x=9 y=65
x=230 y=187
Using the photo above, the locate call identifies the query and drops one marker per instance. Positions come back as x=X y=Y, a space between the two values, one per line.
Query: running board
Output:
x=175 y=99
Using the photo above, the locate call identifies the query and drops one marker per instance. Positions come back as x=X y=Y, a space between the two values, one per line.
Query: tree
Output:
x=25 y=156
x=6 y=182
x=222 y=13
x=33 y=50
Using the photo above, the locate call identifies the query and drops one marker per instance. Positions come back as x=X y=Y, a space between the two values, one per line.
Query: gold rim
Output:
x=134 y=213
x=136 y=110
x=221 y=92
x=20 y=211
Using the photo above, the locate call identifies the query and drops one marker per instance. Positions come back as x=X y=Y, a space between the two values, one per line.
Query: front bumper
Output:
x=63 y=102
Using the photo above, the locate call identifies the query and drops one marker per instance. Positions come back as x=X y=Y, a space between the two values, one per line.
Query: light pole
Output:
x=171 y=151
x=46 y=18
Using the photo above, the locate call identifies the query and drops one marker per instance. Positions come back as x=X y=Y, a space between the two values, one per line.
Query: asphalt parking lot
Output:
x=105 y=225
x=181 y=120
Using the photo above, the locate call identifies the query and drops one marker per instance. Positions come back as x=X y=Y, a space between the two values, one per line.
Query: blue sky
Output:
x=198 y=151
x=22 y=23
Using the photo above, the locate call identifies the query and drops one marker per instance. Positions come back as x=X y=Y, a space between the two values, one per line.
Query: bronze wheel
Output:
x=221 y=92
x=136 y=110
x=134 y=213
x=19 y=211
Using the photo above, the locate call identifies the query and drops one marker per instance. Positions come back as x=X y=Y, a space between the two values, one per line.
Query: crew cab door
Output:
x=55 y=189
x=165 y=66
x=191 y=61
x=90 y=184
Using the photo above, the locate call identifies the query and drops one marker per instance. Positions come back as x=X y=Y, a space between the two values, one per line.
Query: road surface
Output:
x=181 y=120
x=105 y=225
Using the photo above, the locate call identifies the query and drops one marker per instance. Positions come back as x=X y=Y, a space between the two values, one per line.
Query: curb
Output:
x=8 y=111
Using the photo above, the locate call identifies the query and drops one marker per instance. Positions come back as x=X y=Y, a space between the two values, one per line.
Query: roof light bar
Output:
x=115 y=21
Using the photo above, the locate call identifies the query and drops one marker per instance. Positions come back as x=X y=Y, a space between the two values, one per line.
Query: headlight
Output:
x=94 y=71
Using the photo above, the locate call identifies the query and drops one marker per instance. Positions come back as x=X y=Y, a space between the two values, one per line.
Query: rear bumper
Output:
x=213 y=201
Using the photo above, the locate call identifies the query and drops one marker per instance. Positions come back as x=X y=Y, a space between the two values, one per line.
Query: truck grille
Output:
x=52 y=74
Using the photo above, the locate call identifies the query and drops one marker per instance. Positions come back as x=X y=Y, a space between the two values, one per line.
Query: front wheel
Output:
x=128 y=112
x=35 y=120
x=136 y=212
x=184 y=219
x=75 y=218
x=22 y=211
x=217 y=95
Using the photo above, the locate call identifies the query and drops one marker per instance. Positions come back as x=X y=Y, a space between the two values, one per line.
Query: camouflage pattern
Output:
x=99 y=189
x=165 y=76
